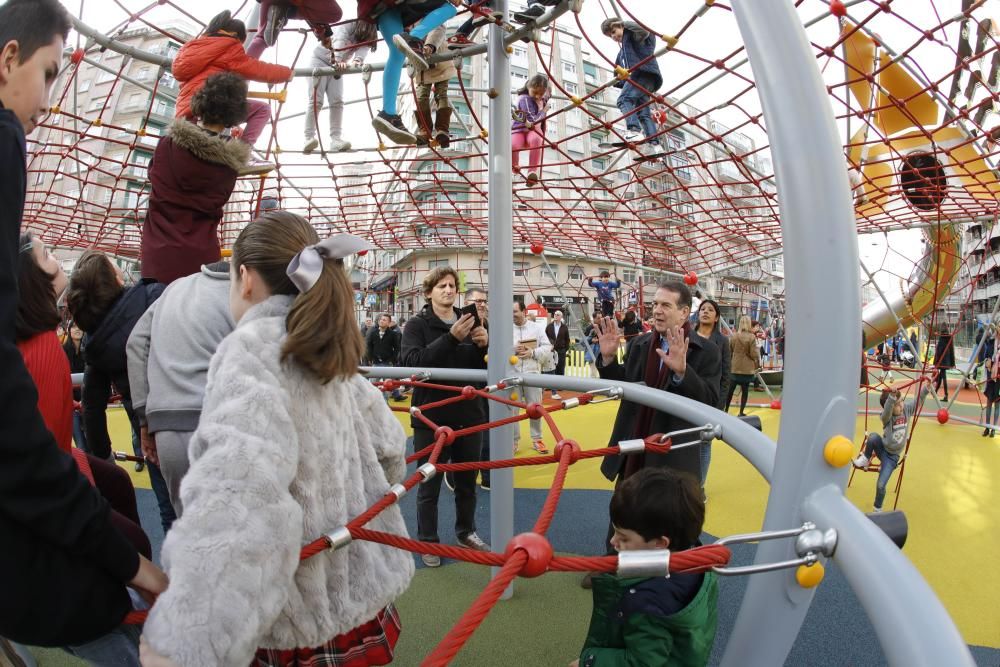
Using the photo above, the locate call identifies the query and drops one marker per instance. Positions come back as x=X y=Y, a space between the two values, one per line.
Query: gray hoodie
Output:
x=171 y=346
x=895 y=427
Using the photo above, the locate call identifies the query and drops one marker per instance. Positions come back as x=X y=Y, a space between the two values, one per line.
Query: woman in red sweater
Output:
x=40 y=279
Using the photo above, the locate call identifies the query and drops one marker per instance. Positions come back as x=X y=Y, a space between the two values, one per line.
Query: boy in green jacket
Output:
x=662 y=620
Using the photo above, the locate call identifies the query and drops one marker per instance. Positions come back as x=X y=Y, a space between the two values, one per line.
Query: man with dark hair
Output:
x=382 y=347
x=64 y=567
x=637 y=56
x=672 y=357
x=440 y=336
x=656 y=620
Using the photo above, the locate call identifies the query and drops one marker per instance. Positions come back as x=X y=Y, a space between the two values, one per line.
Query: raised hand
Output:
x=608 y=338
x=675 y=359
x=461 y=329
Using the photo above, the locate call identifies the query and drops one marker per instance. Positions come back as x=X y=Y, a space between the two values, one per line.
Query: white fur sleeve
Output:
x=232 y=555
x=388 y=436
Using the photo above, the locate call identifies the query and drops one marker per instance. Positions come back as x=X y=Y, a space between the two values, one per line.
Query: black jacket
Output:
x=62 y=564
x=722 y=343
x=560 y=342
x=104 y=352
x=76 y=362
x=382 y=349
x=700 y=383
x=428 y=343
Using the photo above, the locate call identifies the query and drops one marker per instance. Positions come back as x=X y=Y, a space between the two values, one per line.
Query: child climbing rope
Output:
x=346 y=46
x=656 y=620
x=890 y=445
x=220 y=49
x=528 y=130
x=605 y=287
x=391 y=16
x=434 y=78
x=274 y=14
x=292 y=443
x=636 y=55
x=193 y=173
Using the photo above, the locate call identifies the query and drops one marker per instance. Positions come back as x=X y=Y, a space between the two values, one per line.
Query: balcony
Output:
x=750 y=274
x=668 y=239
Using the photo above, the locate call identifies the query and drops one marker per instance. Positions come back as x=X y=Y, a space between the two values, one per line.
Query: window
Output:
x=143 y=74
x=554 y=275
x=649 y=276
x=134 y=100
x=628 y=275
x=600 y=165
x=571 y=88
x=520 y=268
x=484 y=267
x=569 y=68
x=575 y=273
x=97 y=103
x=434 y=263
x=163 y=107
x=84 y=86
x=104 y=77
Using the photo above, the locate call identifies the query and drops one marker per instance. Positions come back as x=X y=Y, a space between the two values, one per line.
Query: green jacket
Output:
x=651 y=622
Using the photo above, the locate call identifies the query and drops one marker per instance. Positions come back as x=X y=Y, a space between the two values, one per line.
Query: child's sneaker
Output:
x=310 y=146
x=539 y=447
x=392 y=126
x=431 y=560
x=412 y=48
x=531 y=180
x=529 y=14
x=459 y=41
x=876 y=510
x=256 y=167
x=277 y=17
x=338 y=145
x=860 y=462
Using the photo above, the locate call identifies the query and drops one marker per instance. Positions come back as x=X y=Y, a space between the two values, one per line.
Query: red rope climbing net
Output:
x=528 y=554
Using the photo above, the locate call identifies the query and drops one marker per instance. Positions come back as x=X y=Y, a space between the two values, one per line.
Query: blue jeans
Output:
x=395 y=392
x=79 y=436
x=118 y=648
x=632 y=97
x=888 y=463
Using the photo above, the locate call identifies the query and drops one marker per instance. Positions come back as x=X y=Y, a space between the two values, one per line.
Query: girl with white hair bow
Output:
x=292 y=444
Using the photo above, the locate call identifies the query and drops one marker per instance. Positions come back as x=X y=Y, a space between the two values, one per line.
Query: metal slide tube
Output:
x=501 y=282
x=817 y=223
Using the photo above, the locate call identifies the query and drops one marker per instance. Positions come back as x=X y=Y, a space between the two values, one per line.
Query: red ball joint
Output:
x=447 y=432
x=690 y=278
x=574 y=447
x=537 y=248
x=468 y=391
x=362 y=253
x=776 y=404
x=538 y=550
x=535 y=410
x=388 y=385
x=77 y=57
x=943 y=416
x=838 y=9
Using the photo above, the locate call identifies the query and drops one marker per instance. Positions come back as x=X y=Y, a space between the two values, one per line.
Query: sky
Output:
x=712 y=37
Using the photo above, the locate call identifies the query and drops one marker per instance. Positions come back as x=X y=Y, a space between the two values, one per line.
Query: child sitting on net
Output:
x=528 y=129
x=220 y=49
x=346 y=46
x=292 y=444
x=657 y=620
x=274 y=14
x=889 y=446
x=434 y=78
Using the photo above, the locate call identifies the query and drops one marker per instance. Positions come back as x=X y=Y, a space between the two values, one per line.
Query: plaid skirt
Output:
x=369 y=644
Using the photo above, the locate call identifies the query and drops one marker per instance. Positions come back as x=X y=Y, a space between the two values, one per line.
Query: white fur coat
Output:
x=278 y=459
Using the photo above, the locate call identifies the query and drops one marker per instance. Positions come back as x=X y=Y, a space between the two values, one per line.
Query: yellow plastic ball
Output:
x=226 y=252
x=809 y=576
x=513 y=360
x=838 y=451
x=513 y=396
x=486 y=358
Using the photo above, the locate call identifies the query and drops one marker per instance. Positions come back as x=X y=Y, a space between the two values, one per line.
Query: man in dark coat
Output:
x=382 y=347
x=558 y=334
x=63 y=566
x=672 y=358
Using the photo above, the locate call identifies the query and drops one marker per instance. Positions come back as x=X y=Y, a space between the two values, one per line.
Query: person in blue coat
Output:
x=636 y=55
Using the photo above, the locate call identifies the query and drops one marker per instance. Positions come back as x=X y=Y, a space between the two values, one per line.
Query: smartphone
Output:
x=472 y=309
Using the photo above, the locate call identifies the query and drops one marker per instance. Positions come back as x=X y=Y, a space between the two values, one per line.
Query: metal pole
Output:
x=501 y=282
x=819 y=232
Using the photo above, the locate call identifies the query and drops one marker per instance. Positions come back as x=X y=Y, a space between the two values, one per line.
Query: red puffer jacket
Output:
x=368 y=10
x=202 y=57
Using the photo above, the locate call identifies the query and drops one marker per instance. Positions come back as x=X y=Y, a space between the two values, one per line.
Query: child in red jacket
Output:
x=220 y=49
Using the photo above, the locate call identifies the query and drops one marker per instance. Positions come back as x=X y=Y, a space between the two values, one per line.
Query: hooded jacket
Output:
x=171 y=346
x=204 y=56
x=278 y=459
x=104 y=351
x=637 y=45
x=428 y=343
x=63 y=565
x=440 y=71
x=192 y=174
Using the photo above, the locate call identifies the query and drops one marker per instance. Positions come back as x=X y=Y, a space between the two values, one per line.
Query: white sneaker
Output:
x=256 y=167
x=635 y=137
x=860 y=462
x=556 y=397
x=337 y=145
x=876 y=510
x=310 y=146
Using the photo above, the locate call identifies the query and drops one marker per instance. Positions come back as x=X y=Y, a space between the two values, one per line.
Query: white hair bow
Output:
x=305 y=268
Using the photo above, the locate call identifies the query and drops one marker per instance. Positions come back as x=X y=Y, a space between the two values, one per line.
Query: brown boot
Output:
x=442 y=123
x=423 y=118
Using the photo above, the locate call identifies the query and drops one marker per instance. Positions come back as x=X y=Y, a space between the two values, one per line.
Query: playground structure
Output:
x=897 y=186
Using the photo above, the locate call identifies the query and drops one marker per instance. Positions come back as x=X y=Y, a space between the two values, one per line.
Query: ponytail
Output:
x=322 y=334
